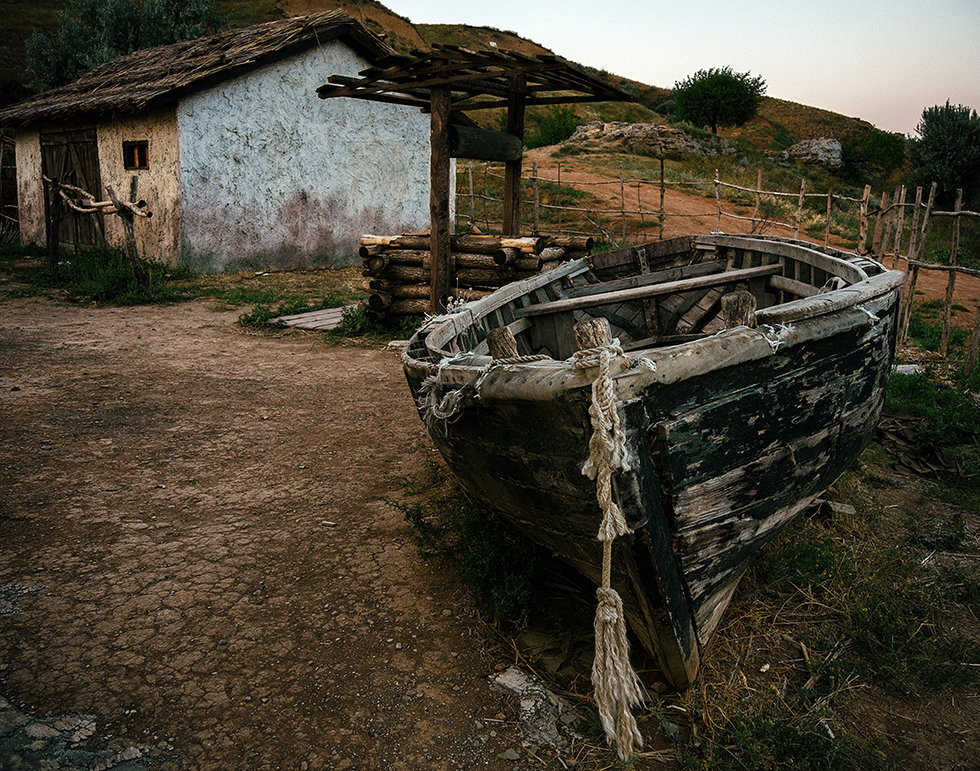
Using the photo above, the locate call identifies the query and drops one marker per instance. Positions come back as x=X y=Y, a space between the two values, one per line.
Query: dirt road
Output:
x=196 y=549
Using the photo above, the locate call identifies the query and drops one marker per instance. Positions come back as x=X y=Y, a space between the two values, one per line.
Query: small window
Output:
x=136 y=155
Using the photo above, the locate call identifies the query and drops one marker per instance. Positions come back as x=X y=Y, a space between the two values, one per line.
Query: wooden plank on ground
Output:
x=324 y=319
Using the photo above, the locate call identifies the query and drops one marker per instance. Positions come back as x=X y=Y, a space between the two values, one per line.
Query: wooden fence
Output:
x=893 y=228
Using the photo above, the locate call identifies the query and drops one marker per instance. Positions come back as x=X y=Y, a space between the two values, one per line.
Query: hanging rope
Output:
x=616 y=685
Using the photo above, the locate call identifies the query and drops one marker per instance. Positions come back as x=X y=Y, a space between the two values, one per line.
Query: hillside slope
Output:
x=779 y=123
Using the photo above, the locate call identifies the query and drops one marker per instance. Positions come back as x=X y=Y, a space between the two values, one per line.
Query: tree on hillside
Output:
x=718 y=97
x=947 y=151
x=93 y=32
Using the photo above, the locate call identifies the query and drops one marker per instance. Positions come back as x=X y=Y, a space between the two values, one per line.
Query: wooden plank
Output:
x=656 y=277
x=637 y=293
x=323 y=319
x=792 y=286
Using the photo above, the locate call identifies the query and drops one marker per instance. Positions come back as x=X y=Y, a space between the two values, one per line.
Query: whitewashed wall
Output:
x=273 y=176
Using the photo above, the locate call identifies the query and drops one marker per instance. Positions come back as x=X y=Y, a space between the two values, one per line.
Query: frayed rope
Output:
x=616 y=685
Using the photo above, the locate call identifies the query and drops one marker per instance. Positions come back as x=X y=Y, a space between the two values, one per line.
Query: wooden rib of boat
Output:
x=735 y=420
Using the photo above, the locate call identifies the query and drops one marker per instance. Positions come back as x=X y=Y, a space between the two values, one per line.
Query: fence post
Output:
x=622 y=201
x=826 y=231
x=914 y=230
x=559 y=192
x=914 y=255
x=758 y=197
x=799 y=208
x=718 y=199
x=660 y=216
x=469 y=171
x=899 y=227
x=971 y=360
x=537 y=198
x=878 y=231
x=863 y=231
x=951 y=282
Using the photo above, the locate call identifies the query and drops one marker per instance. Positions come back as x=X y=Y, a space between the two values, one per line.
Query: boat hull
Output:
x=728 y=438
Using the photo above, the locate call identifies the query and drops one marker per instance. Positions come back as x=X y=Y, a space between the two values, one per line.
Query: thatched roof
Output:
x=158 y=76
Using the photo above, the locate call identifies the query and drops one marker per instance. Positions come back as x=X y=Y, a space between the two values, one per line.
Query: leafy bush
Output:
x=557 y=126
x=947 y=151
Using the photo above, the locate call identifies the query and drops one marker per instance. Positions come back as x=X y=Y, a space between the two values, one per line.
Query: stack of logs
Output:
x=398 y=268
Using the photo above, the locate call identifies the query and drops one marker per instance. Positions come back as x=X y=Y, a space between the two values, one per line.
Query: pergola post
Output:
x=439 y=166
x=516 y=102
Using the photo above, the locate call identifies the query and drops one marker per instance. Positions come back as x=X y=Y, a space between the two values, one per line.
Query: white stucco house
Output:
x=226 y=141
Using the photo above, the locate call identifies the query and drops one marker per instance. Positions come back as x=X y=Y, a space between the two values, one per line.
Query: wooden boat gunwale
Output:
x=552 y=376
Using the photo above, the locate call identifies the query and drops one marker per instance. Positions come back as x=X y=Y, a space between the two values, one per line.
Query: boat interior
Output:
x=658 y=294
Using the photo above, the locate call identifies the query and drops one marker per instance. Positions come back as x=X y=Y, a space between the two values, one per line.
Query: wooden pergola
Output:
x=447 y=82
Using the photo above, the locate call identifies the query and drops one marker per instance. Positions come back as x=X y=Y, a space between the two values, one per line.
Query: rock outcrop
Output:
x=647 y=139
x=824 y=152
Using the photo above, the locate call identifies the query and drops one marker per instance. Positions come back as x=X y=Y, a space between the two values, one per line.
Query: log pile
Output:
x=397 y=268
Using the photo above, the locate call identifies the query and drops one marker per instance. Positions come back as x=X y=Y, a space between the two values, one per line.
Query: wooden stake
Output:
x=622 y=201
x=537 y=197
x=758 y=198
x=718 y=200
x=512 y=169
x=920 y=247
x=899 y=227
x=799 y=208
x=951 y=282
x=502 y=343
x=878 y=232
x=914 y=230
x=472 y=197
x=971 y=360
x=439 y=165
x=863 y=231
x=660 y=214
x=826 y=232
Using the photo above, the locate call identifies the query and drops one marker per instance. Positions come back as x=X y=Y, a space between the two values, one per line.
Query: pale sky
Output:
x=880 y=61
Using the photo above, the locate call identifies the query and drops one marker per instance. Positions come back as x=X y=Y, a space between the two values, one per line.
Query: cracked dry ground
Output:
x=193 y=521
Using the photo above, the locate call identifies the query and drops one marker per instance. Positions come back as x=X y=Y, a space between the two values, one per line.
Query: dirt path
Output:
x=687 y=213
x=193 y=525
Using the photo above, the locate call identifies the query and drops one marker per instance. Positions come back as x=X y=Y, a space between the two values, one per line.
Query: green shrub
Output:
x=557 y=126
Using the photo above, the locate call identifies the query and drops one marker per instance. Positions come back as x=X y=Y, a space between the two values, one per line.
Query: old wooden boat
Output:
x=734 y=422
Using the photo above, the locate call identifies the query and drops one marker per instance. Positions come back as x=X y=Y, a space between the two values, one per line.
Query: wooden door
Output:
x=72 y=157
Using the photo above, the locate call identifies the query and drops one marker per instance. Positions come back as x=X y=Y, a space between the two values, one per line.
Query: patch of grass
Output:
x=105 y=276
x=768 y=740
x=949 y=416
x=899 y=625
x=357 y=321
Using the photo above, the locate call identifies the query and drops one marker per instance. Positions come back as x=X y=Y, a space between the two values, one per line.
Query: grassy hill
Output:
x=778 y=124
